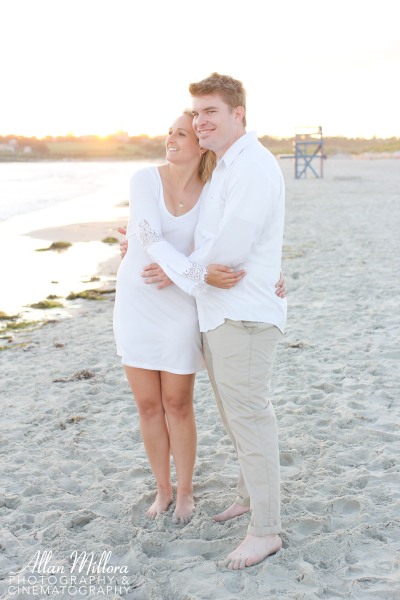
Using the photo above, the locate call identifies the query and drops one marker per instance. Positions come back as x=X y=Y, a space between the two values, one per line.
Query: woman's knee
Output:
x=149 y=408
x=178 y=404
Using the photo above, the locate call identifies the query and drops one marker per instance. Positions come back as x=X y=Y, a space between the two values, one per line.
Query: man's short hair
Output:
x=231 y=90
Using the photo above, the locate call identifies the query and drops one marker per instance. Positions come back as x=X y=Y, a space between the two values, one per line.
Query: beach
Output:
x=75 y=477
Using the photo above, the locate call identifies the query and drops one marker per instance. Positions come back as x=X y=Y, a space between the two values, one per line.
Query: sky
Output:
x=101 y=66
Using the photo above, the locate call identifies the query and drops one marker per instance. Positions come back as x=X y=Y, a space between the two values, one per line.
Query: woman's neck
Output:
x=183 y=177
x=182 y=187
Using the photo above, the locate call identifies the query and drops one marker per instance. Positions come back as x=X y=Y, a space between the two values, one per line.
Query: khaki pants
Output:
x=239 y=357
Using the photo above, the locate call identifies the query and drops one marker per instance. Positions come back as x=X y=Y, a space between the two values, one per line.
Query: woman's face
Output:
x=181 y=144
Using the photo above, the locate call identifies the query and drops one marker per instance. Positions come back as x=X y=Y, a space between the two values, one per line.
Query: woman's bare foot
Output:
x=184 y=510
x=160 y=504
x=252 y=551
x=235 y=510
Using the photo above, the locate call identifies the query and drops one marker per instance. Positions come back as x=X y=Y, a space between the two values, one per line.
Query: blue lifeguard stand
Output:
x=308 y=152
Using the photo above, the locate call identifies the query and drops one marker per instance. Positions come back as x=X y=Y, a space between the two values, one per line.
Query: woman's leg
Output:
x=177 y=398
x=146 y=388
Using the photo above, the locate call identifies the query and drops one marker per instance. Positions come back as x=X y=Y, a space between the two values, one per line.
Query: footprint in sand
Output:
x=10 y=502
x=346 y=507
x=307 y=527
x=81 y=519
x=175 y=550
x=286 y=459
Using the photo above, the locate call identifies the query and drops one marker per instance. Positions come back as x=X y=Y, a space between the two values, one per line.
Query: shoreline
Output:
x=77 y=201
x=84 y=236
x=94 y=231
x=340 y=155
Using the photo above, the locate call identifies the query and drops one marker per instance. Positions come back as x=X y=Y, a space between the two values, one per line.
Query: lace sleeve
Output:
x=147 y=235
x=146 y=223
x=196 y=273
x=173 y=263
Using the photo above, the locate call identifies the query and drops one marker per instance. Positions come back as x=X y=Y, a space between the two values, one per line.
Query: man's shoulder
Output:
x=257 y=148
x=256 y=158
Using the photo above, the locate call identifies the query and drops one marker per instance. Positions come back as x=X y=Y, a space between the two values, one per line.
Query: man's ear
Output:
x=240 y=112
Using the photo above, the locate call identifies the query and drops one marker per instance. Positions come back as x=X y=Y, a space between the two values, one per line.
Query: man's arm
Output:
x=217 y=276
x=153 y=273
x=220 y=276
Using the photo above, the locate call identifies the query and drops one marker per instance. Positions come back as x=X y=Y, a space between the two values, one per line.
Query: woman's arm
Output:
x=145 y=221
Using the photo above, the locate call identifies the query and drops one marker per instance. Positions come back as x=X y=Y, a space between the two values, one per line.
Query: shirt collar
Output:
x=236 y=148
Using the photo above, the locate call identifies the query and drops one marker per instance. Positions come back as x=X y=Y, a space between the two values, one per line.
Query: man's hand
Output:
x=280 y=287
x=223 y=277
x=153 y=273
x=123 y=245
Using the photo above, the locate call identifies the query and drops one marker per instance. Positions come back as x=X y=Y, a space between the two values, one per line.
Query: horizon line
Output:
x=125 y=133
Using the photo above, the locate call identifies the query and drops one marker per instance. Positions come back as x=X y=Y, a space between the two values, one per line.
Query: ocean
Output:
x=39 y=195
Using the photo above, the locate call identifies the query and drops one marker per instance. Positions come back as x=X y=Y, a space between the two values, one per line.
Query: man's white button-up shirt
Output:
x=241 y=225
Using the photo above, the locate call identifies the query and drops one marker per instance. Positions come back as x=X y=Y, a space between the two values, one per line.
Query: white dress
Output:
x=157 y=329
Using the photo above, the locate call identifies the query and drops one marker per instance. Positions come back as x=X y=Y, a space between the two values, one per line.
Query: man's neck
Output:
x=235 y=138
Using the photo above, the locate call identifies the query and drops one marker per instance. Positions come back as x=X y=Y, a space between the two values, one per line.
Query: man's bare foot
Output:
x=160 y=504
x=184 y=510
x=230 y=513
x=252 y=551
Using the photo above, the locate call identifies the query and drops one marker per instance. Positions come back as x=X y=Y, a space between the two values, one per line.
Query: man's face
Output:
x=216 y=124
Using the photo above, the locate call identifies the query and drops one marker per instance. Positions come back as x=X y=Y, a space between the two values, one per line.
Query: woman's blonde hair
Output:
x=208 y=158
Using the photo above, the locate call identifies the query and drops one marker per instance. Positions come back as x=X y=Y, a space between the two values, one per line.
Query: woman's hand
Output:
x=123 y=245
x=280 y=287
x=223 y=277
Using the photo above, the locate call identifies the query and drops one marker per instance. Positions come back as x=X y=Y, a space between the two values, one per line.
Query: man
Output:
x=240 y=225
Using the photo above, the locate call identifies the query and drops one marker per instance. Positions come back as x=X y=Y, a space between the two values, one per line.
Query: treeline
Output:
x=122 y=146
x=18 y=144
x=336 y=145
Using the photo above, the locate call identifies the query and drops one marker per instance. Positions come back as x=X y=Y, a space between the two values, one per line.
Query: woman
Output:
x=156 y=332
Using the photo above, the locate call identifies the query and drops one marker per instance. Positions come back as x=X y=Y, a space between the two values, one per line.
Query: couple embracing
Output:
x=198 y=283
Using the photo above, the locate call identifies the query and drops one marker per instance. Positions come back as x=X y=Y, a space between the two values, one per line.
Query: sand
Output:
x=76 y=477
x=79 y=232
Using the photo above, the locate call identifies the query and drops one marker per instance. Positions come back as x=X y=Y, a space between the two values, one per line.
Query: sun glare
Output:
x=112 y=79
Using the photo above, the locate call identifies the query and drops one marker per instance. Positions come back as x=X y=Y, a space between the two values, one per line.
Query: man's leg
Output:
x=241 y=504
x=242 y=355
